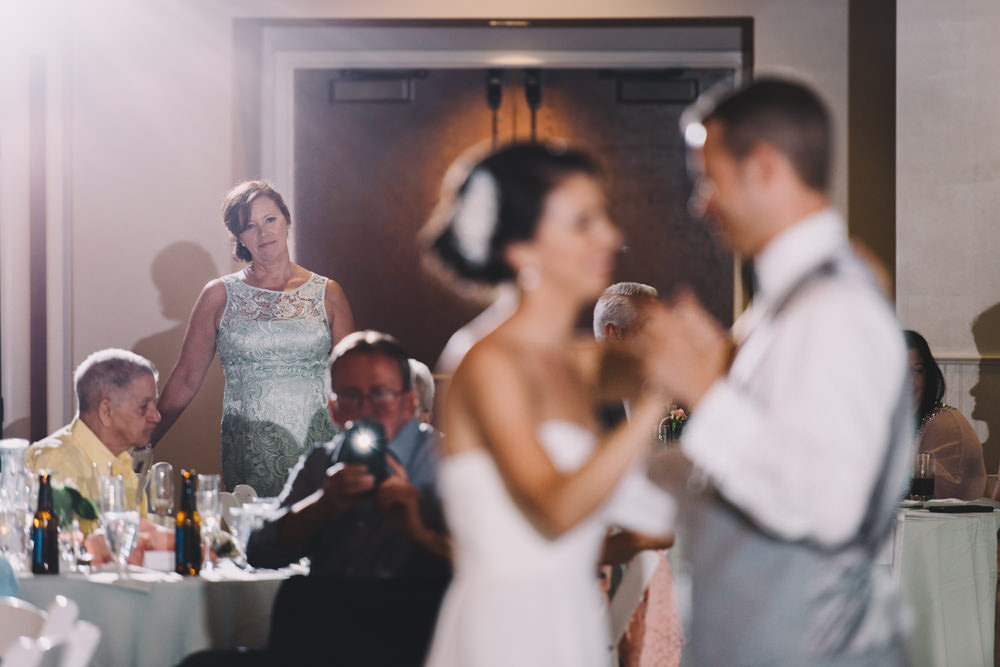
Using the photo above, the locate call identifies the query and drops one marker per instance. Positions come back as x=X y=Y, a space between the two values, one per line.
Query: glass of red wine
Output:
x=922 y=484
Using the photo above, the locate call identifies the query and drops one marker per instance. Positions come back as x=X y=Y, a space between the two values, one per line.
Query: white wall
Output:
x=948 y=196
x=948 y=168
x=149 y=145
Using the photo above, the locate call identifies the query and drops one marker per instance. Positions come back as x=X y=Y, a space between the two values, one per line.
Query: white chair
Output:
x=244 y=493
x=28 y=652
x=18 y=618
x=228 y=502
x=61 y=621
x=79 y=645
x=24 y=652
x=75 y=649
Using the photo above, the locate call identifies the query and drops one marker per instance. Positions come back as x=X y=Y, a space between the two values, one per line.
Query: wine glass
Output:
x=121 y=526
x=161 y=492
x=210 y=511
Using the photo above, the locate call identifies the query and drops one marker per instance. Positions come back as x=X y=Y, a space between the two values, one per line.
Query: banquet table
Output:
x=157 y=618
x=946 y=569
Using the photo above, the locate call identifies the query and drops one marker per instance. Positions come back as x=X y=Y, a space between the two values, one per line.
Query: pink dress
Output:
x=654 y=635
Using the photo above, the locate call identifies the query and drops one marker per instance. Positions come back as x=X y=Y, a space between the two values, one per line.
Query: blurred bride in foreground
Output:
x=529 y=488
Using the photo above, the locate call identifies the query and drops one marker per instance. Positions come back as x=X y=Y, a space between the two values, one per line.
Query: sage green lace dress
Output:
x=273 y=347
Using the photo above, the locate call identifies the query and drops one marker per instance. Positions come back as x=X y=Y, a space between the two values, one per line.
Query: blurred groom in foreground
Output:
x=799 y=438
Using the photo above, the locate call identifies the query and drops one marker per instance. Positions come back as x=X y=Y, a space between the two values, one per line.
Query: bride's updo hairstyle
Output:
x=497 y=202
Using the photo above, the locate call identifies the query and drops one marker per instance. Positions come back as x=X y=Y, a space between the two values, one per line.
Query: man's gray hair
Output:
x=106 y=374
x=423 y=385
x=617 y=305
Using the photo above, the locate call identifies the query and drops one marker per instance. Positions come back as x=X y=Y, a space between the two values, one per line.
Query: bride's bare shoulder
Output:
x=488 y=352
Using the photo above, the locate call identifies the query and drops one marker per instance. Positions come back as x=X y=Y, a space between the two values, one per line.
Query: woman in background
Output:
x=273 y=325
x=943 y=430
x=528 y=489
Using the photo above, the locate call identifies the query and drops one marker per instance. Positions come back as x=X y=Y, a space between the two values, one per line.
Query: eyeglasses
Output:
x=379 y=397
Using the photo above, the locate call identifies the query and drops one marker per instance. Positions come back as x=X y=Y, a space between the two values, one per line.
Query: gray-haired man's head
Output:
x=423 y=389
x=616 y=312
x=116 y=394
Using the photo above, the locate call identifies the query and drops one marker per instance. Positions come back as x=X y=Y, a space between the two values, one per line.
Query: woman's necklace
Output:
x=935 y=410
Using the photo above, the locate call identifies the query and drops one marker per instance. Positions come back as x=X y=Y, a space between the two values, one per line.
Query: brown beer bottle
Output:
x=187 y=534
x=45 y=531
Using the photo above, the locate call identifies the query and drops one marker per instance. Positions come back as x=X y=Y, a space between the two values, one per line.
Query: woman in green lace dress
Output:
x=273 y=325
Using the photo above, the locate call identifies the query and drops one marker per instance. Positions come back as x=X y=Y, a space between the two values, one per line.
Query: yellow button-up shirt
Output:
x=70 y=455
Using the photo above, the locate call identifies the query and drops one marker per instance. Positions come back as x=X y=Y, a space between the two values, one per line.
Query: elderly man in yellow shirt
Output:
x=116 y=398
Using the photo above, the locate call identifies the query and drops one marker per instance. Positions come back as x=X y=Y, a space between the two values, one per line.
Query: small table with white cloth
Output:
x=946 y=568
x=157 y=618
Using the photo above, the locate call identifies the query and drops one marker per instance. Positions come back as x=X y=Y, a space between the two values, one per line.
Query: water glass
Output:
x=106 y=469
x=13 y=534
x=70 y=545
x=245 y=519
x=14 y=503
x=210 y=511
x=121 y=525
x=161 y=492
x=121 y=528
x=110 y=493
x=13 y=476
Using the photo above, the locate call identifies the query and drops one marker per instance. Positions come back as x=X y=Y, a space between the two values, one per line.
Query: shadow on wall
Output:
x=986 y=392
x=19 y=428
x=179 y=272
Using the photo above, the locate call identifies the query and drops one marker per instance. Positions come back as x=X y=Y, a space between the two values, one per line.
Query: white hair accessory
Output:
x=476 y=217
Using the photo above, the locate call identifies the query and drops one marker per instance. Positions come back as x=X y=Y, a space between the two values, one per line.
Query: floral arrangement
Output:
x=69 y=502
x=672 y=425
x=223 y=545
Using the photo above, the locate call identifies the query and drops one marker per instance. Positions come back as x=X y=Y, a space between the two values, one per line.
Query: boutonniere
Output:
x=672 y=425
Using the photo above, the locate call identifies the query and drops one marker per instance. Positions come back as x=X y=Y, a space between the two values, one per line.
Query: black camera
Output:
x=363 y=441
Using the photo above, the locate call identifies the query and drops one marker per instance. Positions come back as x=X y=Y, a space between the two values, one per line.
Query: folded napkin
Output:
x=139 y=578
x=956 y=506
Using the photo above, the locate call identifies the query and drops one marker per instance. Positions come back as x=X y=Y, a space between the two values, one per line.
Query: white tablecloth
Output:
x=946 y=566
x=156 y=619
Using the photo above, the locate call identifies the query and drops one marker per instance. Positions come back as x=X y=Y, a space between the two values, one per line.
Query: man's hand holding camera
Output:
x=397 y=501
x=345 y=486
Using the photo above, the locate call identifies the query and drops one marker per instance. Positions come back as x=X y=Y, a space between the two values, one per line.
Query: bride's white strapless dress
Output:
x=518 y=598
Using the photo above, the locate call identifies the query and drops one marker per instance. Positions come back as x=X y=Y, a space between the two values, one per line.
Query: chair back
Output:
x=61 y=619
x=244 y=493
x=80 y=644
x=23 y=652
x=228 y=502
x=28 y=652
x=18 y=618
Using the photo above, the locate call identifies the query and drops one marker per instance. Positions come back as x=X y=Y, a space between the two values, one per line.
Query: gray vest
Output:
x=758 y=599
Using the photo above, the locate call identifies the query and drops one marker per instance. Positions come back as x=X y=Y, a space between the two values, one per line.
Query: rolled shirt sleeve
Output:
x=796 y=434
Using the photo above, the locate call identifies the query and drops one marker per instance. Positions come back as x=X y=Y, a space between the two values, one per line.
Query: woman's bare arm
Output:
x=338 y=311
x=197 y=352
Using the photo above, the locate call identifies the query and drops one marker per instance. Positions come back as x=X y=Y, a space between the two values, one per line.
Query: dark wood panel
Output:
x=643 y=154
x=368 y=174
x=367 y=177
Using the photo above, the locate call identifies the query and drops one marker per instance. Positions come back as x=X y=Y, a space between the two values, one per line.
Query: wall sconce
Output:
x=533 y=95
x=494 y=95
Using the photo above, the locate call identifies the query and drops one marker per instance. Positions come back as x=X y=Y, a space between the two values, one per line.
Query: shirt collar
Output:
x=96 y=450
x=796 y=251
x=406 y=439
